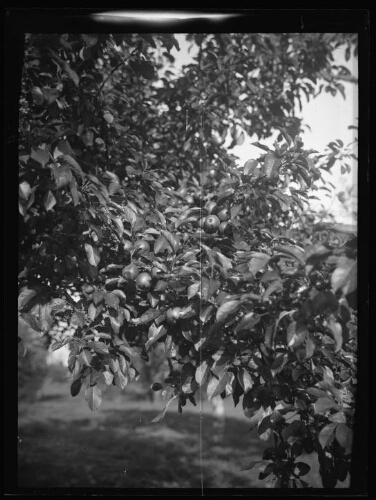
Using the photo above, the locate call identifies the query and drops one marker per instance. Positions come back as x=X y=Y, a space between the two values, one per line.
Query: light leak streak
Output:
x=155 y=16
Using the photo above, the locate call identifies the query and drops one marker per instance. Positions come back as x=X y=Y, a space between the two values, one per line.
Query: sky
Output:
x=328 y=117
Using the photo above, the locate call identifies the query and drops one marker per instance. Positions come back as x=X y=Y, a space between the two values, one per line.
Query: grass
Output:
x=63 y=444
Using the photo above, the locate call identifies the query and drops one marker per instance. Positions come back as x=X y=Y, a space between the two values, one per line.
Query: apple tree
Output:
x=129 y=195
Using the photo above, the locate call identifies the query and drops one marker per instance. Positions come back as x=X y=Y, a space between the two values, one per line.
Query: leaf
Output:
x=264 y=425
x=172 y=240
x=160 y=245
x=325 y=301
x=161 y=217
x=25 y=296
x=344 y=437
x=270 y=164
x=86 y=357
x=224 y=262
x=347 y=53
x=76 y=387
x=294 y=252
x=63 y=175
x=245 y=379
x=90 y=40
x=155 y=333
x=24 y=190
x=108 y=117
x=337 y=332
x=130 y=216
x=148 y=38
x=279 y=363
x=185 y=221
x=284 y=206
x=50 y=95
x=45 y=318
x=58 y=304
x=112 y=300
x=316 y=253
x=37 y=95
x=261 y=146
x=296 y=334
x=32 y=321
x=224 y=195
x=123 y=363
x=226 y=309
x=286 y=136
x=149 y=316
x=258 y=261
x=41 y=156
x=213 y=286
x=66 y=67
x=283 y=199
x=221 y=361
x=295 y=429
x=170 y=347
x=310 y=348
x=95 y=377
x=92 y=255
x=49 y=201
x=187 y=377
x=265 y=437
x=193 y=289
x=275 y=286
x=235 y=209
x=202 y=373
x=250 y=166
x=108 y=377
x=325 y=404
x=338 y=417
x=344 y=276
x=73 y=165
x=270 y=276
x=190 y=211
x=120 y=379
x=93 y=396
x=189 y=311
x=160 y=416
x=98 y=296
x=327 y=434
x=115 y=325
x=98 y=347
x=160 y=286
x=205 y=313
x=57 y=345
x=249 y=464
x=216 y=387
x=248 y=321
x=78 y=319
x=119 y=226
x=144 y=68
x=301 y=469
x=240 y=139
x=120 y=294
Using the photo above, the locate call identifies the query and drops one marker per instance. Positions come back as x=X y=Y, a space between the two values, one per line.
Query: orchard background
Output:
x=163 y=264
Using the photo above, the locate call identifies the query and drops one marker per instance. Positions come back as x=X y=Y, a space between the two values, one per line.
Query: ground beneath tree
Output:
x=63 y=444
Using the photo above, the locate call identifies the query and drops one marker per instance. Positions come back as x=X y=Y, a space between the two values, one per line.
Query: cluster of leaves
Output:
x=114 y=193
x=261 y=77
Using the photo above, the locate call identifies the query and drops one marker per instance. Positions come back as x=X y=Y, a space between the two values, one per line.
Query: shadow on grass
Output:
x=122 y=449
